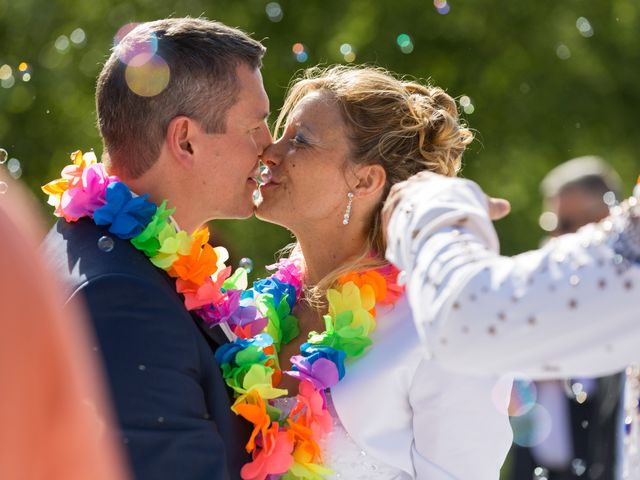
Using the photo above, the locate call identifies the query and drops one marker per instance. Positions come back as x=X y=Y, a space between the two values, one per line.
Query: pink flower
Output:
x=288 y=271
x=275 y=460
x=86 y=196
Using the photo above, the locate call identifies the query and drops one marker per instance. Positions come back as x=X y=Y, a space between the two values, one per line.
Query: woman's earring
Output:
x=347 y=213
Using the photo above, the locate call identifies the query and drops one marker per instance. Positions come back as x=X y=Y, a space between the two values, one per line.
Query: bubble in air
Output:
x=246 y=263
x=274 y=11
x=3 y=188
x=147 y=78
x=532 y=428
x=4 y=155
x=609 y=198
x=523 y=397
x=106 y=244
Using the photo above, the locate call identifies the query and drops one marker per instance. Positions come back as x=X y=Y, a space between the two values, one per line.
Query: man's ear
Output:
x=370 y=180
x=180 y=134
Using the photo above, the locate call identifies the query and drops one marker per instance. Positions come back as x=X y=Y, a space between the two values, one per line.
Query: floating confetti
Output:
x=106 y=244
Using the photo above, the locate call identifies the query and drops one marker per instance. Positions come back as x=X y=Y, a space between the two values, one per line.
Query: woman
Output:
x=348 y=135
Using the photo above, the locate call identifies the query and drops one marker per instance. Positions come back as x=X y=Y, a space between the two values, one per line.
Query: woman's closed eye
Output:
x=299 y=140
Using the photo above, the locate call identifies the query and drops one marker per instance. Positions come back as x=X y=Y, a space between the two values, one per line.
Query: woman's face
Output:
x=309 y=173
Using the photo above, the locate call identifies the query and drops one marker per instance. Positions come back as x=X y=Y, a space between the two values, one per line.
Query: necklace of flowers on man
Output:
x=281 y=444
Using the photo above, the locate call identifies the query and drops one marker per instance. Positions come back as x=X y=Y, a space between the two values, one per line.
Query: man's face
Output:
x=575 y=208
x=228 y=162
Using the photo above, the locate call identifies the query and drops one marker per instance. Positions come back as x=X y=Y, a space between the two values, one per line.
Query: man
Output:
x=568 y=309
x=181 y=110
x=582 y=439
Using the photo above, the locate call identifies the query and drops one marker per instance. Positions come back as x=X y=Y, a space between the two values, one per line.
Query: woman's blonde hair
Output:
x=404 y=126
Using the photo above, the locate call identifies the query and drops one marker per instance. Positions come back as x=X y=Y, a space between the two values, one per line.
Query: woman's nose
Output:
x=271 y=155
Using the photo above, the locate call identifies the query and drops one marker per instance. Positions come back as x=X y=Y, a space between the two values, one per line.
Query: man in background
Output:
x=584 y=412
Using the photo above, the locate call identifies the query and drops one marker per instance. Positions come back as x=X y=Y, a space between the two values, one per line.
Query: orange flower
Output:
x=253 y=409
x=371 y=278
x=201 y=262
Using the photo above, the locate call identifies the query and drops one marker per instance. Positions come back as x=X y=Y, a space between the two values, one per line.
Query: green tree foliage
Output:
x=540 y=81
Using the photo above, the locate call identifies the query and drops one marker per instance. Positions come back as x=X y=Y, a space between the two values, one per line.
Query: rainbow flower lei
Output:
x=286 y=446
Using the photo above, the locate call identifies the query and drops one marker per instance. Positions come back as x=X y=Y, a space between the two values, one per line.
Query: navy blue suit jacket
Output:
x=171 y=401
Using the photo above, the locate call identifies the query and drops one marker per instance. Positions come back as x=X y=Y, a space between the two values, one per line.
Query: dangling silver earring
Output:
x=347 y=213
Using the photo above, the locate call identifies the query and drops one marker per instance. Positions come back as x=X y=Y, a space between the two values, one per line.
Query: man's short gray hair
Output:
x=202 y=57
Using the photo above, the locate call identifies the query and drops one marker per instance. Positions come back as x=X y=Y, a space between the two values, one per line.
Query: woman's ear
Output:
x=180 y=134
x=370 y=180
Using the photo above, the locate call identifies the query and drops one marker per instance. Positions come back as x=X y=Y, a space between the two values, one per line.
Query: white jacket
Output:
x=570 y=308
x=408 y=412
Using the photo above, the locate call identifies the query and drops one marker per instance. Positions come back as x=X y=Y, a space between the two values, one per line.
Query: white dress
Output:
x=399 y=415
x=568 y=309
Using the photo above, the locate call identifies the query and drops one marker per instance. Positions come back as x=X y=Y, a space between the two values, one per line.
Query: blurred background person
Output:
x=54 y=418
x=584 y=412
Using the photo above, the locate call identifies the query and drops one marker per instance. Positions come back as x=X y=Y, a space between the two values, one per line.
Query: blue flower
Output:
x=313 y=353
x=277 y=289
x=126 y=216
x=227 y=353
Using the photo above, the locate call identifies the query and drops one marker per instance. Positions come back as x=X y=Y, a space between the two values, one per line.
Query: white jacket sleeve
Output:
x=568 y=309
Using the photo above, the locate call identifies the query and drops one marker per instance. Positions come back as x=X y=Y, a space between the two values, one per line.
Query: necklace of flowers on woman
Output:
x=286 y=445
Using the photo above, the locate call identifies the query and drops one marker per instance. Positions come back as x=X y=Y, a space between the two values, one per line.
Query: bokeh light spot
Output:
x=297 y=48
x=563 y=52
x=345 y=48
x=62 y=43
x=548 y=221
x=584 y=27
x=123 y=31
x=403 y=40
x=523 y=397
x=78 y=36
x=274 y=11
x=23 y=67
x=149 y=78
x=532 y=428
x=349 y=57
x=5 y=72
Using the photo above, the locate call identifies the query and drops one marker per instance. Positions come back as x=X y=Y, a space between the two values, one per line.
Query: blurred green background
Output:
x=539 y=81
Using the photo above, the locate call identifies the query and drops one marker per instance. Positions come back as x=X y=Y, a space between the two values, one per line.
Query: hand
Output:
x=497 y=207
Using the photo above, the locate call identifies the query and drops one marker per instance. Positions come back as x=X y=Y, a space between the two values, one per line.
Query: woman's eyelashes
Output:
x=298 y=140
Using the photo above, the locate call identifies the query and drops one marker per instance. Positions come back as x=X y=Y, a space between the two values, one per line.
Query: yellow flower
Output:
x=359 y=301
x=172 y=244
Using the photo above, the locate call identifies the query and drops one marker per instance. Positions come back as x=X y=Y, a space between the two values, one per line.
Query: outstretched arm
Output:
x=567 y=309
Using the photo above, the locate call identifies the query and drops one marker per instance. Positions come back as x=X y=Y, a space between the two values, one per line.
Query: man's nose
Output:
x=264 y=139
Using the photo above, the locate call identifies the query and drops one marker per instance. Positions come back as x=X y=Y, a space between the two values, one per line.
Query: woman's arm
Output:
x=568 y=309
